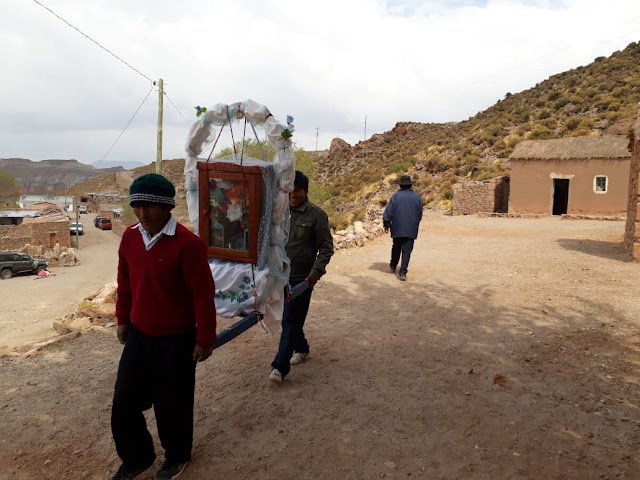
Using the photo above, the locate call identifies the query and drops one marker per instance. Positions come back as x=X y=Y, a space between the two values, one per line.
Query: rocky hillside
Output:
x=600 y=98
x=47 y=176
x=597 y=99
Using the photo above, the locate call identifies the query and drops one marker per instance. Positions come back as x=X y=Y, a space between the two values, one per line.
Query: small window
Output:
x=600 y=184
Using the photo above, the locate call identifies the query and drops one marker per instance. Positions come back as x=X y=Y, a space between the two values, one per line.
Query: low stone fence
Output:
x=57 y=256
x=357 y=234
x=490 y=195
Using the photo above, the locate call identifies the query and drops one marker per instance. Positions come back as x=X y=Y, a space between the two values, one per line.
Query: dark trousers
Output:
x=402 y=245
x=292 y=338
x=156 y=371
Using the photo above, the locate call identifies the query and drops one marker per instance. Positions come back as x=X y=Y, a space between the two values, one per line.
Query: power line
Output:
x=174 y=106
x=125 y=127
x=89 y=38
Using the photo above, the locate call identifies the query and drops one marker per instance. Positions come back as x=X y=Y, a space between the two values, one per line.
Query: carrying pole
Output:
x=251 y=319
x=160 y=112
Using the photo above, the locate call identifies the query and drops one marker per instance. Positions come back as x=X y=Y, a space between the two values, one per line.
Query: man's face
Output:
x=297 y=197
x=152 y=216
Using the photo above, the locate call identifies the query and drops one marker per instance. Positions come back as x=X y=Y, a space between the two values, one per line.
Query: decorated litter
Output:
x=238 y=205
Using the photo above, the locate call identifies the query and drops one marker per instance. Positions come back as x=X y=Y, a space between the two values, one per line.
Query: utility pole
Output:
x=317 y=132
x=75 y=200
x=160 y=112
x=365 y=127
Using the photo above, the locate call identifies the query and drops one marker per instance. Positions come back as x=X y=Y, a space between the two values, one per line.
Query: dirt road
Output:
x=512 y=352
x=30 y=304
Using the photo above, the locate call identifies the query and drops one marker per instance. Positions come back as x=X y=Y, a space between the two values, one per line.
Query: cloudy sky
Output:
x=342 y=68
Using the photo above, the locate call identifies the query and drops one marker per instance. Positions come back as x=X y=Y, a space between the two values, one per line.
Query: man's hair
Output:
x=405 y=187
x=301 y=181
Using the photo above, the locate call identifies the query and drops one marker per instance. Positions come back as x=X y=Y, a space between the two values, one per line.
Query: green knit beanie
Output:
x=152 y=188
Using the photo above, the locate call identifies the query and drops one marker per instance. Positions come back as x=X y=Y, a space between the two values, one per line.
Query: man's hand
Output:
x=123 y=330
x=312 y=279
x=201 y=354
x=386 y=229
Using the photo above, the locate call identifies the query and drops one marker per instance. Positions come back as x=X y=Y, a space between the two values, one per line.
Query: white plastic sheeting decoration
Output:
x=274 y=277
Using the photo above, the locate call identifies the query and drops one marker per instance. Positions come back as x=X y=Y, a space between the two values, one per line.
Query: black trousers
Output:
x=402 y=245
x=156 y=371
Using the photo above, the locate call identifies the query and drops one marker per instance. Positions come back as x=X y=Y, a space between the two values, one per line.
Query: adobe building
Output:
x=577 y=175
x=631 y=234
x=43 y=232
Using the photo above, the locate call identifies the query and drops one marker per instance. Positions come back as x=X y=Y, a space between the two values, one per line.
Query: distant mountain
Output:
x=113 y=164
x=47 y=176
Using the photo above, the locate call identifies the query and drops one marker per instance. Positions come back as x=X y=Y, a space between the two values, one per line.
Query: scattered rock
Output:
x=500 y=380
x=62 y=328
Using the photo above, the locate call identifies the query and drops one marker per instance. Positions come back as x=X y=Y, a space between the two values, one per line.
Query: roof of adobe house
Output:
x=606 y=147
x=19 y=213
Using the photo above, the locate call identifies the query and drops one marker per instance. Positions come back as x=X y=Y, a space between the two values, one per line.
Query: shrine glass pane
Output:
x=228 y=214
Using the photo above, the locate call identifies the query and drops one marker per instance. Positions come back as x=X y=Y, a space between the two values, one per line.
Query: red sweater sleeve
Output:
x=123 y=292
x=197 y=275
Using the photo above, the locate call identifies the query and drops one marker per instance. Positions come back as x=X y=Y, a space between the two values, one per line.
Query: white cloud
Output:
x=330 y=64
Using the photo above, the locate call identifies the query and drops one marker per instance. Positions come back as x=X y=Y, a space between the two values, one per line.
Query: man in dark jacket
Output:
x=403 y=215
x=309 y=249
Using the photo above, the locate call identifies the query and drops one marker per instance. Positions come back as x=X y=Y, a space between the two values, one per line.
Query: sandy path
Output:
x=511 y=353
x=29 y=305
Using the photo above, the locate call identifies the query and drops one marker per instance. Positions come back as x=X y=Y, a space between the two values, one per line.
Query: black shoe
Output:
x=129 y=473
x=171 y=470
x=392 y=268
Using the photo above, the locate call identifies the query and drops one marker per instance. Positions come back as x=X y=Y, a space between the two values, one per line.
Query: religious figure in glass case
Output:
x=230 y=210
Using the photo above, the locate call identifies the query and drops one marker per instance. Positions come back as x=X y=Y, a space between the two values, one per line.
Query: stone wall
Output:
x=42 y=234
x=487 y=196
x=631 y=235
x=359 y=233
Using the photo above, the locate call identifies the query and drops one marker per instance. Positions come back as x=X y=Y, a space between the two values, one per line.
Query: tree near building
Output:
x=9 y=191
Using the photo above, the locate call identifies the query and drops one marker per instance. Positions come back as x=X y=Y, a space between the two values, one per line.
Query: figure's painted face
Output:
x=297 y=197
x=152 y=216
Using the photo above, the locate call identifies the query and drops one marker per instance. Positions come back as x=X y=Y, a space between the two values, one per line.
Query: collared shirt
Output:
x=310 y=244
x=169 y=229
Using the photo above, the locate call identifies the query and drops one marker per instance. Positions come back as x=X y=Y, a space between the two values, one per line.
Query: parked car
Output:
x=13 y=263
x=96 y=221
x=105 y=224
x=76 y=229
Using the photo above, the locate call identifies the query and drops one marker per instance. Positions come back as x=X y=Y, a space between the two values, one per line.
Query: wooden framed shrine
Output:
x=230 y=198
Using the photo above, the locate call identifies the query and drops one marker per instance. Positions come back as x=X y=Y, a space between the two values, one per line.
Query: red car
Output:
x=105 y=224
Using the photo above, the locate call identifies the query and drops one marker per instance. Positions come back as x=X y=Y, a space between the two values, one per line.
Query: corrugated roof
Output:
x=573 y=147
x=19 y=213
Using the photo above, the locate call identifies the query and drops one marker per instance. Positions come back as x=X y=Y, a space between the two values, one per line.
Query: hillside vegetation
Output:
x=600 y=98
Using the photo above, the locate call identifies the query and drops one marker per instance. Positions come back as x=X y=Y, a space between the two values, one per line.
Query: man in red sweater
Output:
x=167 y=323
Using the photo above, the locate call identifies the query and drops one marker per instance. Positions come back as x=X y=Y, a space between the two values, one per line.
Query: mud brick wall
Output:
x=15 y=237
x=487 y=196
x=631 y=233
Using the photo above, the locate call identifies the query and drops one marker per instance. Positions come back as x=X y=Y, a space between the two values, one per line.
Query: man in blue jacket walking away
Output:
x=403 y=215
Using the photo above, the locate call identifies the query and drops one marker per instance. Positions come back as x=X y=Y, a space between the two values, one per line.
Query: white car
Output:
x=77 y=229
